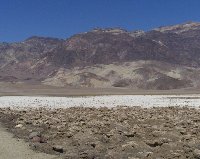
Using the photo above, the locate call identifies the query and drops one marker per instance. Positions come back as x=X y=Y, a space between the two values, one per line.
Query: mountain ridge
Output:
x=39 y=59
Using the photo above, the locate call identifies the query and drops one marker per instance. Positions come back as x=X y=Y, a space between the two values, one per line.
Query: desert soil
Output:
x=12 y=148
x=102 y=133
x=16 y=89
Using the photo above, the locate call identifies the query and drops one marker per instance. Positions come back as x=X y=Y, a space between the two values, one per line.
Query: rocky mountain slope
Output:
x=163 y=58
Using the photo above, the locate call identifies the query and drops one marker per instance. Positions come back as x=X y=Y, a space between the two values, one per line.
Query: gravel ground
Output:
x=115 y=133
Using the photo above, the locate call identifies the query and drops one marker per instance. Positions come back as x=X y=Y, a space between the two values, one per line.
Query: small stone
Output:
x=145 y=154
x=154 y=143
x=28 y=122
x=58 y=148
x=34 y=134
x=130 y=134
x=175 y=154
x=186 y=137
x=38 y=139
x=183 y=132
x=19 y=126
x=196 y=154
x=130 y=144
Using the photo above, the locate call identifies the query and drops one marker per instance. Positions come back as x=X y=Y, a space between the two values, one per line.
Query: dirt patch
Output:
x=121 y=132
x=15 y=148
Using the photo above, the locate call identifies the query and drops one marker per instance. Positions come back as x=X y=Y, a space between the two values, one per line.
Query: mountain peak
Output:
x=40 y=38
x=34 y=38
x=179 y=28
x=110 y=30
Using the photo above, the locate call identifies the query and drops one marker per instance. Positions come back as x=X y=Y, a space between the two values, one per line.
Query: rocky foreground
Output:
x=118 y=133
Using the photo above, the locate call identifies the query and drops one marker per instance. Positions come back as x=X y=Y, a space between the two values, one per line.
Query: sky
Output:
x=20 y=19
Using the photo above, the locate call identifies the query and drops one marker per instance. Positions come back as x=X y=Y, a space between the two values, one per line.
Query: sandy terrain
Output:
x=12 y=148
x=23 y=89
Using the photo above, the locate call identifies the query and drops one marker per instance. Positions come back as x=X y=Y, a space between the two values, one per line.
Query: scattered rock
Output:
x=34 y=134
x=130 y=134
x=158 y=133
x=196 y=154
x=154 y=143
x=38 y=139
x=58 y=148
x=19 y=126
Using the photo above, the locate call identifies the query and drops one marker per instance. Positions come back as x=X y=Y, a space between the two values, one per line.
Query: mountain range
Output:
x=163 y=58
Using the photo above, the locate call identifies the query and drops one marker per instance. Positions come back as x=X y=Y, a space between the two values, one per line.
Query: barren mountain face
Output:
x=164 y=58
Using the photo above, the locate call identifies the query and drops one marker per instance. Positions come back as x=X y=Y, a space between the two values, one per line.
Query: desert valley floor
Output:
x=101 y=123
